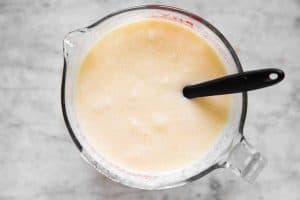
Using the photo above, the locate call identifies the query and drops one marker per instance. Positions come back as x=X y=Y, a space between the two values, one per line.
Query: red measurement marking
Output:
x=174 y=18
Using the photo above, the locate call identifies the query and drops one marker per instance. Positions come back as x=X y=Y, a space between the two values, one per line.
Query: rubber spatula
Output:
x=235 y=83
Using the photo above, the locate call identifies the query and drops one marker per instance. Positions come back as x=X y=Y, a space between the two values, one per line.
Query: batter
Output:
x=129 y=96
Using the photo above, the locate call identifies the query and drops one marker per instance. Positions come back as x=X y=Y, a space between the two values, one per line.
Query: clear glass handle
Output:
x=245 y=161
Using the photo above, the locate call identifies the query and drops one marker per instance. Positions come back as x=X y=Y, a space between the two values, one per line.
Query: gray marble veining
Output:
x=37 y=157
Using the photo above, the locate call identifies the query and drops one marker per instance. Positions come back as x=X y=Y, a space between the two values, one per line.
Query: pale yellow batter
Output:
x=129 y=96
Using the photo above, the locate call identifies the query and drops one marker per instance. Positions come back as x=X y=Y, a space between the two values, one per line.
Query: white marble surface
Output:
x=37 y=157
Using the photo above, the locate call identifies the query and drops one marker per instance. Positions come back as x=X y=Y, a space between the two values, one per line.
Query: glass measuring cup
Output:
x=231 y=150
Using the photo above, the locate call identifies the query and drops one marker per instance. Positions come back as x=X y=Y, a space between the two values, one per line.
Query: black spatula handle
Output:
x=235 y=83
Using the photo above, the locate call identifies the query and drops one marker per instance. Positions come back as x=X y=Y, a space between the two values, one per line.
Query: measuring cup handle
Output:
x=245 y=161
